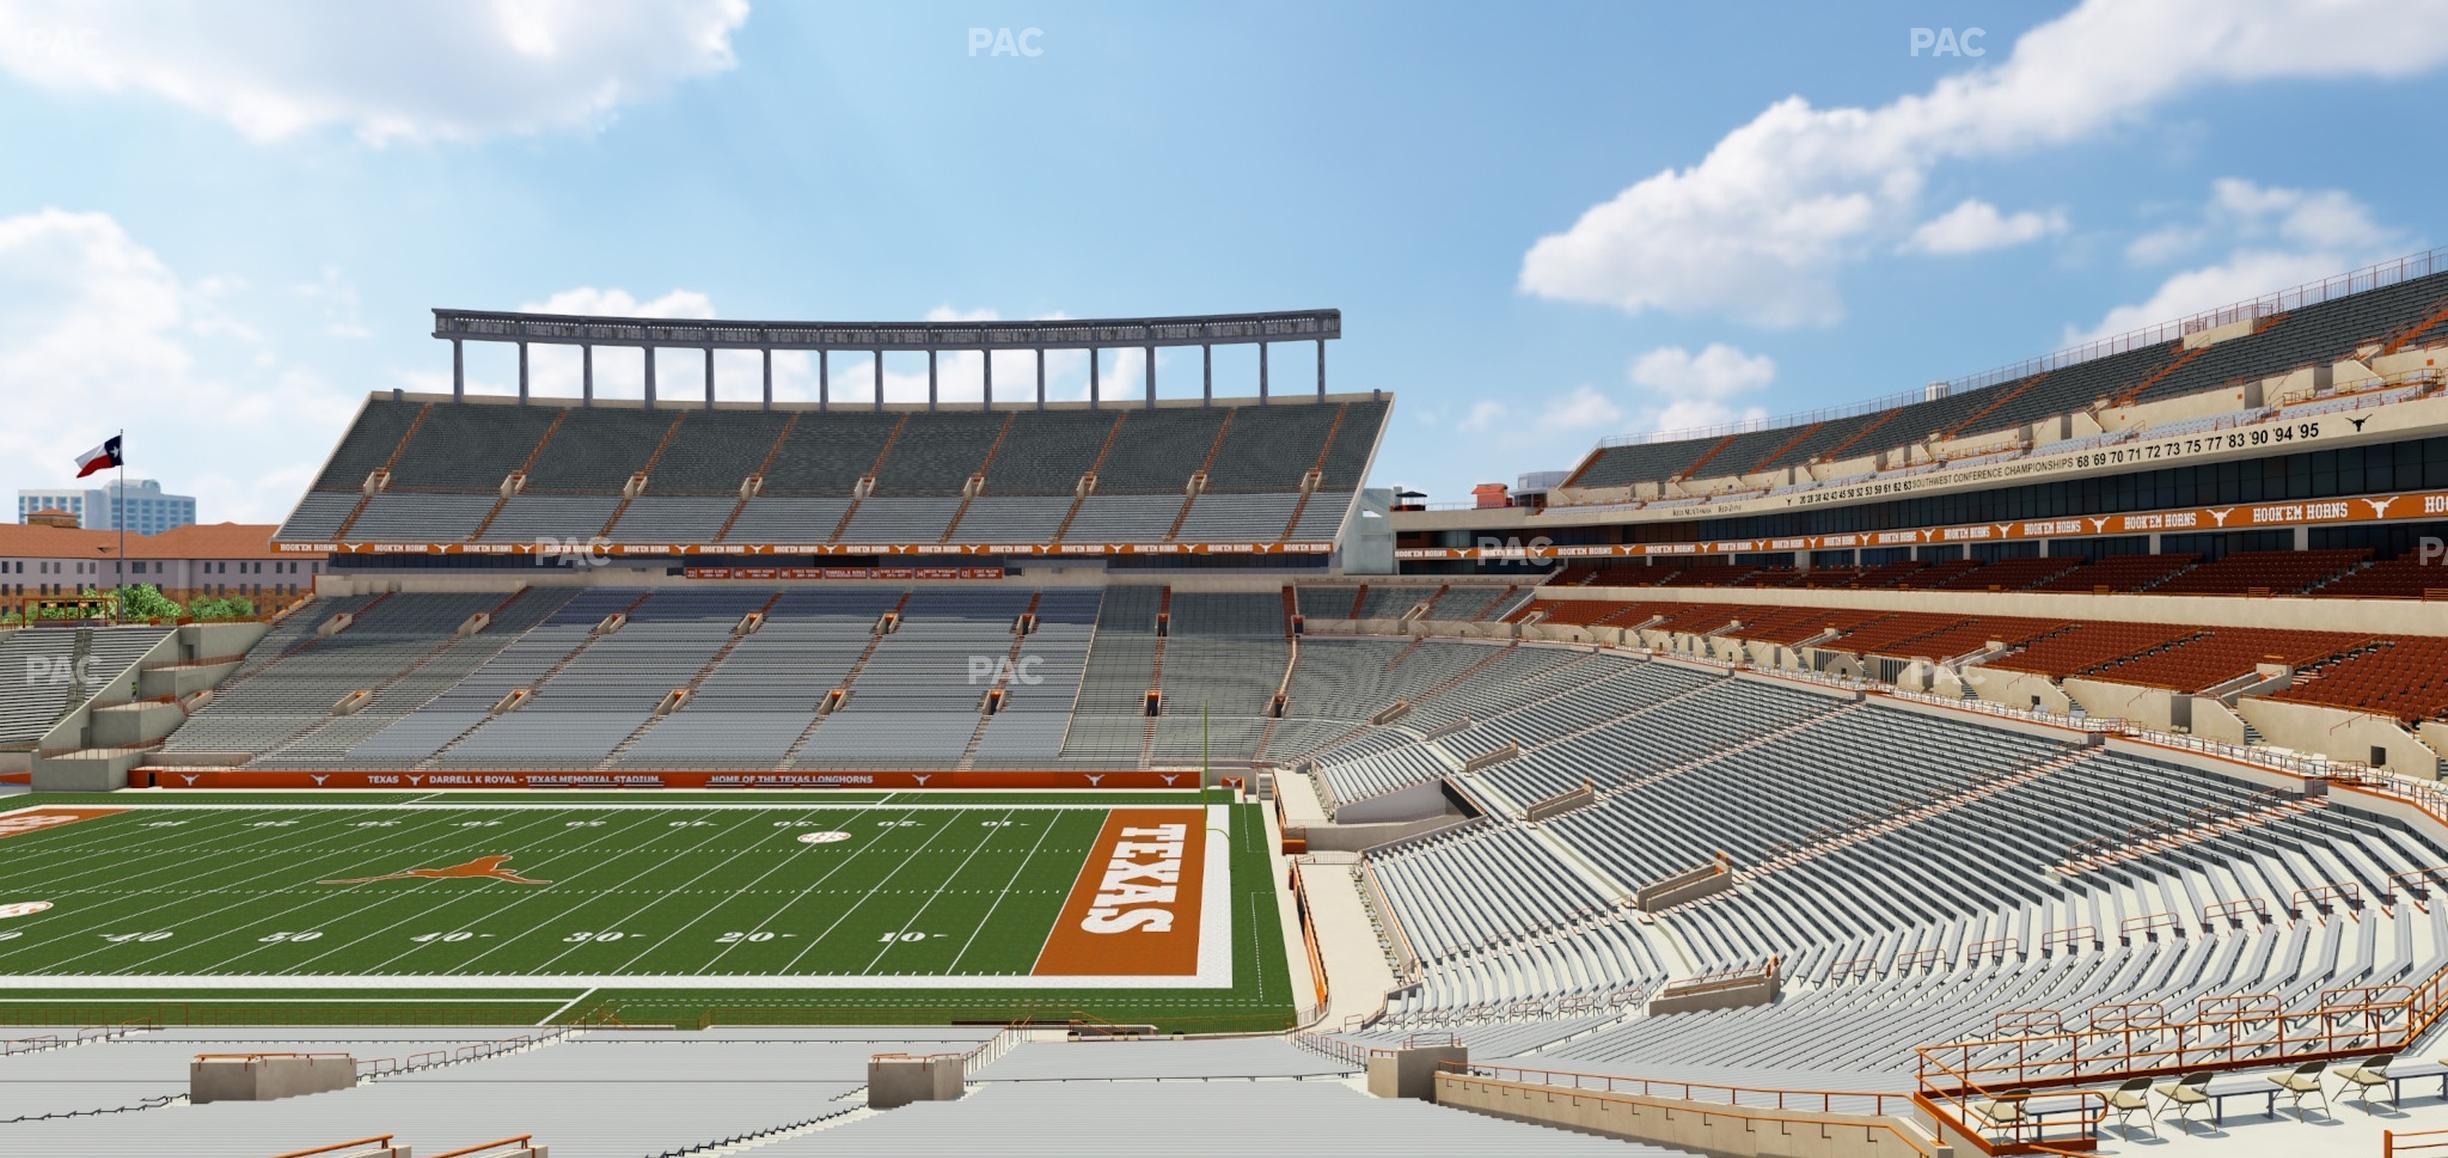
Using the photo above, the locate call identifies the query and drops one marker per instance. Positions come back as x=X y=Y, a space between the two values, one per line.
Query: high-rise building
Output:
x=146 y=509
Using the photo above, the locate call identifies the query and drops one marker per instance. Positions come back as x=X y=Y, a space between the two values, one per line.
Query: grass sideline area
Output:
x=672 y=886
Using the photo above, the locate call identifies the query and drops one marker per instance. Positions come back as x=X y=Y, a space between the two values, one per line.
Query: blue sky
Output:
x=221 y=225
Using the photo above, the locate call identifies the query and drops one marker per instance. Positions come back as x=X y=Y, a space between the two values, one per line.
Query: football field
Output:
x=600 y=906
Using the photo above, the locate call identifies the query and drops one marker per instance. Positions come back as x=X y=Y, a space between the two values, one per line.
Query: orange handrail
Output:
x=525 y=1141
x=383 y=1140
x=2393 y=1143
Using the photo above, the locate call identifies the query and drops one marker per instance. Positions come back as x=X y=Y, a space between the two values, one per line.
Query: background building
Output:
x=148 y=509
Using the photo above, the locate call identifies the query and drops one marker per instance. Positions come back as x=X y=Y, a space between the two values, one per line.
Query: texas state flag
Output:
x=102 y=457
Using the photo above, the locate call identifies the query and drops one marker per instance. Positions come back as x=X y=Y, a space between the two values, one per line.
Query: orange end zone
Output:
x=1134 y=911
x=44 y=819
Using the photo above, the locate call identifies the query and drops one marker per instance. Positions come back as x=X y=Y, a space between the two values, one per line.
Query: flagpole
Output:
x=119 y=512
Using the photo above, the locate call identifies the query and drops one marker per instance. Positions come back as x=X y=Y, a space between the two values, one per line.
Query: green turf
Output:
x=678 y=889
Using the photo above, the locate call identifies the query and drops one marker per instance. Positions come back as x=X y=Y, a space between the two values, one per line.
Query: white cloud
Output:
x=1759 y=228
x=1484 y=415
x=1976 y=226
x=389 y=70
x=1582 y=410
x=1684 y=390
x=97 y=332
x=2277 y=238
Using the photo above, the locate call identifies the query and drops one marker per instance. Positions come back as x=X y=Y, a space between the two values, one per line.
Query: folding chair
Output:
x=2304 y=1081
x=2133 y=1098
x=2363 y=1077
x=2191 y=1092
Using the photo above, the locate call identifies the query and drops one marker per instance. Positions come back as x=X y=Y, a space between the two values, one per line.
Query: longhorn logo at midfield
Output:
x=488 y=868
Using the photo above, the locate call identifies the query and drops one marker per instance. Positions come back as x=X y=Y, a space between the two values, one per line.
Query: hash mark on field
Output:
x=963 y=866
x=778 y=864
x=769 y=918
x=109 y=918
x=988 y=919
x=854 y=906
x=290 y=911
x=451 y=898
x=641 y=910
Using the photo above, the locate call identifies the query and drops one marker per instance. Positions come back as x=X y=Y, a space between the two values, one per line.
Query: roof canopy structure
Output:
x=930 y=338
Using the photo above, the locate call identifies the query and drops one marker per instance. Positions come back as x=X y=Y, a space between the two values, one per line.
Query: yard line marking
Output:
x=936 y=896
x=299 y=888
x=451 y=897
x=114 y=917
x=708 y=967
x=659 y=898
x=1017 y=873
x=855 y=905
x=565 y=1008
x=583 y=899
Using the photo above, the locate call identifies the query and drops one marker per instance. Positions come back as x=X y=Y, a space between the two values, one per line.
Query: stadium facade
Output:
x=1930 y=773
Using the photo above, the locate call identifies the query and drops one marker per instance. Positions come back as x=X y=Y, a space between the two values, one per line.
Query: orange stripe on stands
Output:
x=1135 y=908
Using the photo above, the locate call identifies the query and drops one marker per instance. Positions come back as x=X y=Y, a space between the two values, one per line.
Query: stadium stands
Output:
x=451 y=464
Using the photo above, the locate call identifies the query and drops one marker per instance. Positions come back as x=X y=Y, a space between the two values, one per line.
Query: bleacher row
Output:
x=2315 y=335
x=2323 y=574
x=634 y=476
x=46 y=672
x=1914 y=874
x=2362 y=671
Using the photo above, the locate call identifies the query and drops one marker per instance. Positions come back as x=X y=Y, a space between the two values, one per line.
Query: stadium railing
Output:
x=1788 y=1111
x=370 y=1146
x=2393 y=1143
x=521 y=1146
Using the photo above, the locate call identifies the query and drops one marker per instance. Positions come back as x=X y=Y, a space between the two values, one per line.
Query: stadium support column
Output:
x=824 y=380
x=1041 y=378
x=930 y=381
x=1321 y=343
x=522 y=373
x=1262 y=373
x=879 y=378
x=458 y=371
x=1207 y=375
x=586 y=375
x=650 y=399
x=1150 y=368
x=709 y=360
x=1092 y=377
x=986 y=368
x=768 y=352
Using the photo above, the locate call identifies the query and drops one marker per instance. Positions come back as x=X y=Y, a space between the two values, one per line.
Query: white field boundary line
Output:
x=949 y=982
x=565 y=1008
x=1215 y=902
x=1086 y=802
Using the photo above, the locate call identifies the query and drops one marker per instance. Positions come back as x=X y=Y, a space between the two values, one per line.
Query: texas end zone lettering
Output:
x=1134 y=910
x=1140 y=893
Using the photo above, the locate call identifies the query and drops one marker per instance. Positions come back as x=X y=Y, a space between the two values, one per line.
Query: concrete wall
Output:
x=2149 y=707
x=1683 y=1125
x=262 y=1079
x=2378 y=616
x=2339 y=734
x=897 y=1080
